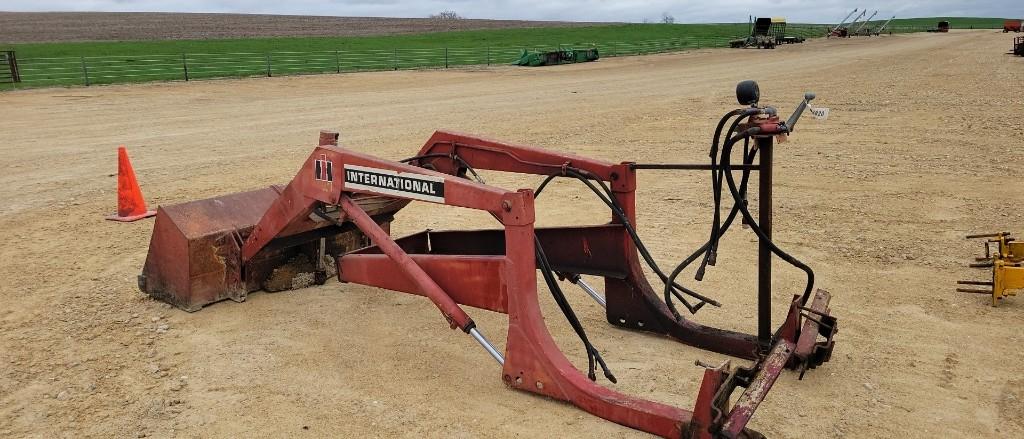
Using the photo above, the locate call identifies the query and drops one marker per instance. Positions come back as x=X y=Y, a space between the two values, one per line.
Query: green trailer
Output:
x=564 y=56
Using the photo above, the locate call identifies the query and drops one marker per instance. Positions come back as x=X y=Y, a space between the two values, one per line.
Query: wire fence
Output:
x=93 y=70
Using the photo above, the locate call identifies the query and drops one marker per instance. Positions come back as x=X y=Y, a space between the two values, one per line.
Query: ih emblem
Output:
x=323 y=169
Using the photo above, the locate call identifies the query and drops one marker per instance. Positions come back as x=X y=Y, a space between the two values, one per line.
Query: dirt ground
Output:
x=923 y=146
x=34 y=27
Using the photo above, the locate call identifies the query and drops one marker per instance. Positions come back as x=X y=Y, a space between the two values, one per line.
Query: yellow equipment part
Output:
x=1006 y=278
x=1007 y=263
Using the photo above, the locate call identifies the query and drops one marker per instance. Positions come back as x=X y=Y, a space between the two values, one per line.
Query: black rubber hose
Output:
x=716 y=187
x=556 y=292
x=593 y=355
x=738 y=200
x=617 y=211
x=543 y=185
x=610 y=201
x=452 y=156
x=711 y=255
x=707 y=245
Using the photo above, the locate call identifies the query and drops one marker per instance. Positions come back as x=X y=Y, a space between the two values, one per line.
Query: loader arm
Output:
x=341 y=202
x=632 y=301
x=532 y=360
x=301 y=195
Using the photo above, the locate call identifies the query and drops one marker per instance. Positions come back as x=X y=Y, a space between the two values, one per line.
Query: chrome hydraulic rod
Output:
x=487 y=346
x=590 y=290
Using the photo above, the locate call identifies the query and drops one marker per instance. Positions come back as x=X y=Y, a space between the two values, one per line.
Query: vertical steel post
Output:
x=446 y=57
x=396 y=58
x=268 y=65
x=85 y=71
x=184 y=66
x=764 y=255
x=337 y=61
x=488 y=56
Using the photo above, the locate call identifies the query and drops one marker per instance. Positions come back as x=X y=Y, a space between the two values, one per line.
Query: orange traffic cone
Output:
x=130 y=204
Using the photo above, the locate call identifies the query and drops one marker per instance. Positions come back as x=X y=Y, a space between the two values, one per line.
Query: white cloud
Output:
x=690 y=11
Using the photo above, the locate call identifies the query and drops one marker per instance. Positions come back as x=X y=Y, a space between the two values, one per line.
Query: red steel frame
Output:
x=496 y=270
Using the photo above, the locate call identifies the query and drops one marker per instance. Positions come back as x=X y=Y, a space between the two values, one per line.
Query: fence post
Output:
x=396 y=58
x=85 y=71
x=269 y=74
x=446 y=57
x=184 y=66
x=337 y=61
x=488 y=56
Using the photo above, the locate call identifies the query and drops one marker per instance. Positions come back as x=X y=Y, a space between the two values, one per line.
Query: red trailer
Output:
x=1011 y=25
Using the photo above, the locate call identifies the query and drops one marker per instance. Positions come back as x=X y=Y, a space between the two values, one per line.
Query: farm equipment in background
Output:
x=841 y=30
x=866 y=29
x=878 y=31
x=335 y=215
x=555 y=57
x=942 y=26
x=864 y=23
x=1012 y=25
x=1007 y=263
x=1018 y=46
x=764 y=34
x=778 y=31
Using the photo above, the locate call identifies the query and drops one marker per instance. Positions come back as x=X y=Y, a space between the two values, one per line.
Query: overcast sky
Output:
x=689 y=11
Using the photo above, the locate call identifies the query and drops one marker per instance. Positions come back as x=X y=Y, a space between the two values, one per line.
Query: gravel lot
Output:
x=923 y=147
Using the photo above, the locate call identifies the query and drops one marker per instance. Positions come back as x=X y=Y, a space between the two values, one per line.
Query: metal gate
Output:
x=9 y=67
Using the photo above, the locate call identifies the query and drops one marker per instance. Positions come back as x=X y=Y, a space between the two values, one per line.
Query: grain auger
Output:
x=338 y=208
x=1004 y=255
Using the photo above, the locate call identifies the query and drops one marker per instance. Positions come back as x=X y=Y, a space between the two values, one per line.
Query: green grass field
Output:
x=497 y=38
x=479 y=38
x=88 y=63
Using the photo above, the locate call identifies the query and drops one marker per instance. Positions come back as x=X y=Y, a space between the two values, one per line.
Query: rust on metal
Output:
x=195 y=252
x=223 y=248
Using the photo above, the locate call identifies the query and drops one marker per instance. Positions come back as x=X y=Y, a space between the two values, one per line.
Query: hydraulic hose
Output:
x=605 y=195
x=716 y=186
x=556 y=292
x=709 y=249
x=754 y=226
x=593 y=355
x=707 y=245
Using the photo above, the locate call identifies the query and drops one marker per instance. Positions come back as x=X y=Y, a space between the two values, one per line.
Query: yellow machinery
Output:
x=1007 y=263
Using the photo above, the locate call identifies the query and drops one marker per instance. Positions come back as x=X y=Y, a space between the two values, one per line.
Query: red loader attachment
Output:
x=340 y=198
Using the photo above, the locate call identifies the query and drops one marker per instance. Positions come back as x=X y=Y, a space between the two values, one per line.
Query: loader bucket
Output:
x=195 y=254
